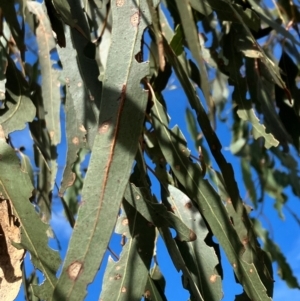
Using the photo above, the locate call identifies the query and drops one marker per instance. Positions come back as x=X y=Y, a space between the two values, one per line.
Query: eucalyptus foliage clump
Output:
x=94 y=76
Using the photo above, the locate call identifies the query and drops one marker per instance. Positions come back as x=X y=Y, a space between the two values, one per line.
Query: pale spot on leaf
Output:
x=125 y=222
x=135 y=19
x=74 y=270
x=104 y=127
x=75 y=140
x=120 y=3
x=213 y=278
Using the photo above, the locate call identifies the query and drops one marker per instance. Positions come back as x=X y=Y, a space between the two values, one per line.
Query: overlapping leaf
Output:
x=12 y=19
x=155 y=286
x=126 y=279
x=245 y=111
x=63 y=9
x=210 y=205
x=33 y=230
x=285 y=271
x=191 y=36
x=76 y=140
x=19 y=109
x=201 y=259
x=120 y=124
x=157 y=214
x=50 y=75
x=75 y=67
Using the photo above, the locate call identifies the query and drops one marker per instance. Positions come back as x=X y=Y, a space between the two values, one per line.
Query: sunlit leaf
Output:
x=115 y=146
x=127 y=278
x=179 y=263
x=200 y=258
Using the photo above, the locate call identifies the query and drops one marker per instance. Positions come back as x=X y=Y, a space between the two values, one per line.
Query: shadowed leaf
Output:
x=285 y=272
x=50 y=76
x=19 y=109
x=157 y=214
x=76 y=140
x=154 y=289
x=209 y=202
x=245 y=109
x=33 y=230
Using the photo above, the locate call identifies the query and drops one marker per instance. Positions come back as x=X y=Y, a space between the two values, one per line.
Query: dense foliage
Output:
x=104 y=66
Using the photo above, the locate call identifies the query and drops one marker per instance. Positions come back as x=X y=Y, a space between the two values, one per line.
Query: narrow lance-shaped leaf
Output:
x=203 y=120
x=50 y=76
x=64 y=11
x=261 y=90
x=73 y=192
x=74 y=62
x=126 y=279
x=33 y=230
x=273 y=23
x=245 y=110
x=191 y=36
x=157 y=214
x=247 y=177
x=9 y=11
x=179 y=263
x=51 y=100
x=154 y=290
x=209 y=202
x=19 y=109
x=285 y=271
x=272 y=68
x=76 y=140
x=200 y=258
x=120 y=124
x=224 y=13
x=243 y=225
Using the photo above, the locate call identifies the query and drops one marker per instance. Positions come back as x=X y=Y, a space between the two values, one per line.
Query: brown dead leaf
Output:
x=10 y=257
